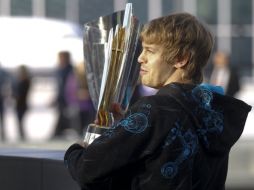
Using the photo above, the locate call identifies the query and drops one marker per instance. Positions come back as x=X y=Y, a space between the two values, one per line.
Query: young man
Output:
x=179 y=138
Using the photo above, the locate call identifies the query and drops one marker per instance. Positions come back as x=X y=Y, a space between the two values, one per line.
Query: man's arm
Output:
x=125 y=143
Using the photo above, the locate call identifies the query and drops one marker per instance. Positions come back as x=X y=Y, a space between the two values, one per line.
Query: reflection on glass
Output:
x=21 y=8
x=241 y=11
x=207 y=11
x=241 y=55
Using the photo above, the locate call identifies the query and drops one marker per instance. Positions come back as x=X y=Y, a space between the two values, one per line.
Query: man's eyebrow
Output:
x=149 y=46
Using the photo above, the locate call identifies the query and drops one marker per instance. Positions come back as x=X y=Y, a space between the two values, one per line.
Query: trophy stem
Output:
x=105 y=118
x=93 y=131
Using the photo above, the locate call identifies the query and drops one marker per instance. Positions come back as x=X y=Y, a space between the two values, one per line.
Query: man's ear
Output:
x=181 y=63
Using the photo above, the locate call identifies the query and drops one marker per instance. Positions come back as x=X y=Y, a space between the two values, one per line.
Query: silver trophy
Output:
x=112 y=71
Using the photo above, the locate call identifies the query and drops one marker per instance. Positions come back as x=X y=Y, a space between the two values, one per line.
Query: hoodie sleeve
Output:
x=134 y=137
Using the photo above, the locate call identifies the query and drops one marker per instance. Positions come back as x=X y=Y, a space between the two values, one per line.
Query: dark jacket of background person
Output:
x=179 y=138
x=62 y=75
x=22 y=87
x=64 y=70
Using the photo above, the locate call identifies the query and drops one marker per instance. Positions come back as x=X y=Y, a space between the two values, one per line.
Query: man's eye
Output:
x=150 y=51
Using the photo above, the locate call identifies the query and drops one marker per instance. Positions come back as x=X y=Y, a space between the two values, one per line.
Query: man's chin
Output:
x=149 y=85
x=144 y=82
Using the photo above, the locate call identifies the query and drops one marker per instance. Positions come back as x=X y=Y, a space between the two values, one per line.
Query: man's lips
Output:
x=143 y=71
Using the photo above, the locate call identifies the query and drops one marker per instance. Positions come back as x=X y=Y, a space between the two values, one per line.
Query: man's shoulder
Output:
x=157 y=101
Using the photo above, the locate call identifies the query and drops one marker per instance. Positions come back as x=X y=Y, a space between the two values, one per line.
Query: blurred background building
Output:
x=230 y=20
x=32 y=32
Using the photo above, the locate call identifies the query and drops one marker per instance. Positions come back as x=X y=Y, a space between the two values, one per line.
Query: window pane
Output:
x=90 y=10
x=140 y=8
x=207 y=10
x=241 y=11
x=167 y=7
x=241 y=54
x=21 y=8
x=55 y=8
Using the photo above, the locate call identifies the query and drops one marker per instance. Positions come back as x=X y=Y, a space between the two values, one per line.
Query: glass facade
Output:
x=234 y=17
x=21 y=8
x=241 y=42
x=241 y=54
x=207 y=11
x=241 y=11
x=141 y=9
x=167 y=7
x=55 y=9
x=90 y=10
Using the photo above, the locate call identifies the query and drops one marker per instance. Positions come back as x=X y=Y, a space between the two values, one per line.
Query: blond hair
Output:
x=182 y=36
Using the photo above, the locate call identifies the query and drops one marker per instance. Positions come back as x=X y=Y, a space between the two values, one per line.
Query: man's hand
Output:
x=83 y=144
x=117 y=111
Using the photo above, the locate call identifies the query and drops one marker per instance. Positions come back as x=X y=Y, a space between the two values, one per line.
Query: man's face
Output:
x=154 y=71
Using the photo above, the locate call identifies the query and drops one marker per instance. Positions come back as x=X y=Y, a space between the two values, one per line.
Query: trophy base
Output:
x=93 y=131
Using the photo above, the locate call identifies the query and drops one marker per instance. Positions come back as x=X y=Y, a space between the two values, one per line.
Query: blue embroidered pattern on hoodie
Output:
x=212 y=122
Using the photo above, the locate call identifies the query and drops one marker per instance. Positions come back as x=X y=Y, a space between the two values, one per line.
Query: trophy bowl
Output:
x=110 y=56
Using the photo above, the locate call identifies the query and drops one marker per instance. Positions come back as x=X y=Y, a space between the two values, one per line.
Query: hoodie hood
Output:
x=218 y=119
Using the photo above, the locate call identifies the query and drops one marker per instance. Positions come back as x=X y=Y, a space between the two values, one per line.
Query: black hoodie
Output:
x=179 y=138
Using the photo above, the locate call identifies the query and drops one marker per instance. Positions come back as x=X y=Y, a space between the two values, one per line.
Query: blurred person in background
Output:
x=64 y=70
x=74 y=103
x=223 y=74
x=4 y=80
x=86 y=109
x=21 y=92
x=80 y=107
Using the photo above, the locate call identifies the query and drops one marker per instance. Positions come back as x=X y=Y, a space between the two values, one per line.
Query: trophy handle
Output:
x=93 y=131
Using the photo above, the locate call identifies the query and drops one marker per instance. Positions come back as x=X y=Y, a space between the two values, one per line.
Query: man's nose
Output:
x=141 y=57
